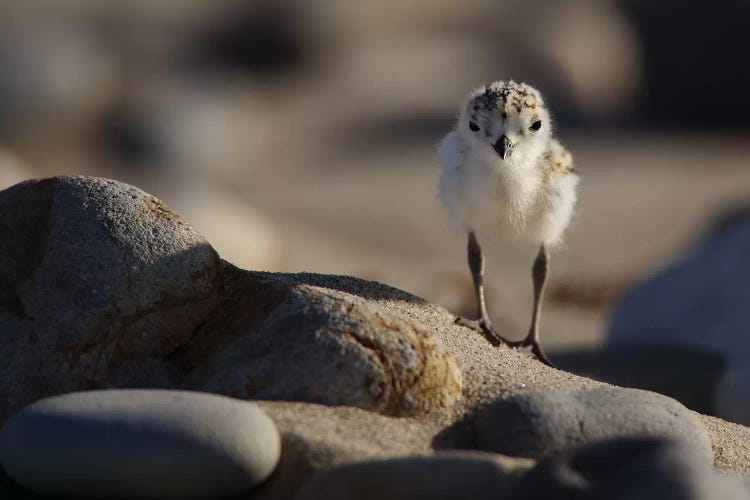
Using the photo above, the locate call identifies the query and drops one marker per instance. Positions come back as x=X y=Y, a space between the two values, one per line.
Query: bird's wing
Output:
x=557 y=159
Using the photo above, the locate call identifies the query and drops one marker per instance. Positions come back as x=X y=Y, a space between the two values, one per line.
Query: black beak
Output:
x=503 y=146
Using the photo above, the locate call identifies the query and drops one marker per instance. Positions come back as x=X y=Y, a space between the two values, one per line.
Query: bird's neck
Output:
x=490 y=161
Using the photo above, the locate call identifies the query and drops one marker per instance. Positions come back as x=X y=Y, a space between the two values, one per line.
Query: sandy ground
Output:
x=488 y=374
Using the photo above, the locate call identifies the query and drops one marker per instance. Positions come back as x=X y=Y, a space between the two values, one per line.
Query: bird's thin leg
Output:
x=539 y=277
x=476 y=265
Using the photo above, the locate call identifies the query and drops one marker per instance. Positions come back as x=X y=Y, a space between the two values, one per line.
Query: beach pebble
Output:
x=139 y=444
x=542 y=423
x=629 y=469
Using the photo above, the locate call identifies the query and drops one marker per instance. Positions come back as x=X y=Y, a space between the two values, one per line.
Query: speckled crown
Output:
x=511 y=96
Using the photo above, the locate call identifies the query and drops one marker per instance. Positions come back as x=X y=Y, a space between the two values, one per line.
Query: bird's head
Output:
x=507 y=119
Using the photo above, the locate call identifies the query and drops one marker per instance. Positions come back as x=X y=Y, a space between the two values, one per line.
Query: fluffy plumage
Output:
x=531 y=194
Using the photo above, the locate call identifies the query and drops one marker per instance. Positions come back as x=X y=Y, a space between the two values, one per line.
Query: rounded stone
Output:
x=139 y=444
x=542 y=423
x=445 y=476
x=333 y=348
x=628 y=469
x=696 y=301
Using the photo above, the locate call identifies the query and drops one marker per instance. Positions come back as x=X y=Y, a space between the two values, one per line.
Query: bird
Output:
x=504 y=174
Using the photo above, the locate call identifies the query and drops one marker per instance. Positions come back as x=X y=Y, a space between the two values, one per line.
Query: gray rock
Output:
x=95 y=275
x=444 y=476
x=330 y=347
x=628 y=469
x=700 y=301
x=139 y=444
x=539 y=424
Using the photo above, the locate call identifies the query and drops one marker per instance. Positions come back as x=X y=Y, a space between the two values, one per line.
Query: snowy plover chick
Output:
x=504 y=174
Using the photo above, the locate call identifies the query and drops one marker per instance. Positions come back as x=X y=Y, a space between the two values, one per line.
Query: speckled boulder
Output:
x=329 y=347
x=96 y=279
x=542 y=423
x=139 y=444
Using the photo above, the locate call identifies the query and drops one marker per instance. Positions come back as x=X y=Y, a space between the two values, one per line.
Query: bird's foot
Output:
x=483 y=326
x=535 y=348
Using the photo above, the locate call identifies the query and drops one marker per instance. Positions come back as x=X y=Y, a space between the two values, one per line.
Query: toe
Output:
x=540 y=355
x=489 y=332
x=535 y=349
x=480 y=326
x=468 y=323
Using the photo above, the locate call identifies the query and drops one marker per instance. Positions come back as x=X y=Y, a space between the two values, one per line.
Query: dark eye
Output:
x=536 y=125
x=474 y=127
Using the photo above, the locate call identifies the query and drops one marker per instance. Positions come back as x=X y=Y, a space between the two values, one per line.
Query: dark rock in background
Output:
x=264 y=39
x=686 y=374
x=699 y=303
x=131 y=138
x=691 y=55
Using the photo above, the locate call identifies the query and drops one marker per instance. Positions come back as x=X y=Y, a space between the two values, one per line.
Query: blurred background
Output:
x=301 y=135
